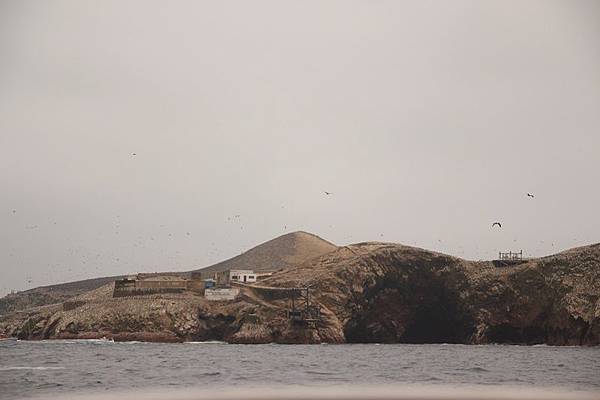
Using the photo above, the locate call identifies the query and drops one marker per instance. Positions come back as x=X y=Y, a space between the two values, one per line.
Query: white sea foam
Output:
x=207 y=342
x=28 y=368
x=68 y=341
x=350 y=392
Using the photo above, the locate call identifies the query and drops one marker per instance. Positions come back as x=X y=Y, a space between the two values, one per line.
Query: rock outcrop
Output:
x=368 y=292
x=391 y=293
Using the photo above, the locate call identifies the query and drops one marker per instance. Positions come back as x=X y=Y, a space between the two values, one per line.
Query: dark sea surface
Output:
x=55 y=368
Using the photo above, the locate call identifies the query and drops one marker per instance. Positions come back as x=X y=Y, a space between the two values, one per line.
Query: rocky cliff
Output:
x=368 y=292
x=392 y=293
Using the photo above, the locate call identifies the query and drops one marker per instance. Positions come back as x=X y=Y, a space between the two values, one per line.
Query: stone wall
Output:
x=130 y=287
x=151 y=284
x=145 y=291
x=221 y=294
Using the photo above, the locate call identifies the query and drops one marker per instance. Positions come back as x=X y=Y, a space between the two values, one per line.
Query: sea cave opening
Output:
x=419 y=310
x=438 y=318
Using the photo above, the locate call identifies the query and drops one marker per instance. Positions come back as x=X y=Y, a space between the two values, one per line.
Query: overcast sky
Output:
x=427 y=120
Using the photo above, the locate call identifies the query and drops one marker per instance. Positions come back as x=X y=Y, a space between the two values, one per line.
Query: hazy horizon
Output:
x=151 y=136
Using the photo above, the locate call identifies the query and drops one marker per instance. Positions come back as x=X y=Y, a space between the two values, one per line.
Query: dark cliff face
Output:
x=409 y=308
x=553 y=300
x=369 y=292
x=389 y=293
x=392 y=293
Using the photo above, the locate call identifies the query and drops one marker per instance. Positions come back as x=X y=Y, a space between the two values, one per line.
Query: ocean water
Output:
x=53 y=369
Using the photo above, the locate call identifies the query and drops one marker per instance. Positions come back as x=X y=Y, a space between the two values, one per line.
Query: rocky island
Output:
x=365 y=292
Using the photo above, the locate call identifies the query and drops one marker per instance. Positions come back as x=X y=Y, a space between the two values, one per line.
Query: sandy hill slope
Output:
x=52 y=294
x=281 y=252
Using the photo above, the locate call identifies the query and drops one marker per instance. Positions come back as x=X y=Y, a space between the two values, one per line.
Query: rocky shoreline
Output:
x=368 y=292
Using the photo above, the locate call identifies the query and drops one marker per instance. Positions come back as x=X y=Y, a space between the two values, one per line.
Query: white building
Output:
x=224 y=278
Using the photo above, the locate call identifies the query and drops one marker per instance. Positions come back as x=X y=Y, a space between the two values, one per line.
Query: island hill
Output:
x=311 y=291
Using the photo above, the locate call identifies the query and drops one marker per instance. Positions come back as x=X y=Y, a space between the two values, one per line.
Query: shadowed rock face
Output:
x=368 y=292
x=393 y=293
x=418 y=308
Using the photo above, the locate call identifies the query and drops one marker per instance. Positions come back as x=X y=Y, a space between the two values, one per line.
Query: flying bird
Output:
x=328 y=193
x=133 y=154
x=497 y=223
x=530 y=195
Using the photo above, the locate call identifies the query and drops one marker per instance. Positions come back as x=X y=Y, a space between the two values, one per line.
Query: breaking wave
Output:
x=207 y=342
x=29 y=368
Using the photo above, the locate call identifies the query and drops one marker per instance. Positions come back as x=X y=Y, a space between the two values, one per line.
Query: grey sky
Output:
x=427 y=120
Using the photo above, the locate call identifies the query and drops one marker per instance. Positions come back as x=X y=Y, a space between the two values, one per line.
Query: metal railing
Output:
x=510 y=256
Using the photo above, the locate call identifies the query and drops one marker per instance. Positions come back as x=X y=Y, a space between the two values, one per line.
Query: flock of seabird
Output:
x=499 y=224
x=237 y=216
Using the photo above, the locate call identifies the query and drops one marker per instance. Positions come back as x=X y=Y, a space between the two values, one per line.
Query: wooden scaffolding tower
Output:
x=302 y=312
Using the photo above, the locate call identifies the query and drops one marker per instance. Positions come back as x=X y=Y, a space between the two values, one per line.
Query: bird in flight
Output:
x=530 y=195
x=497 y=223
x=328 y=193
x=133 y=154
